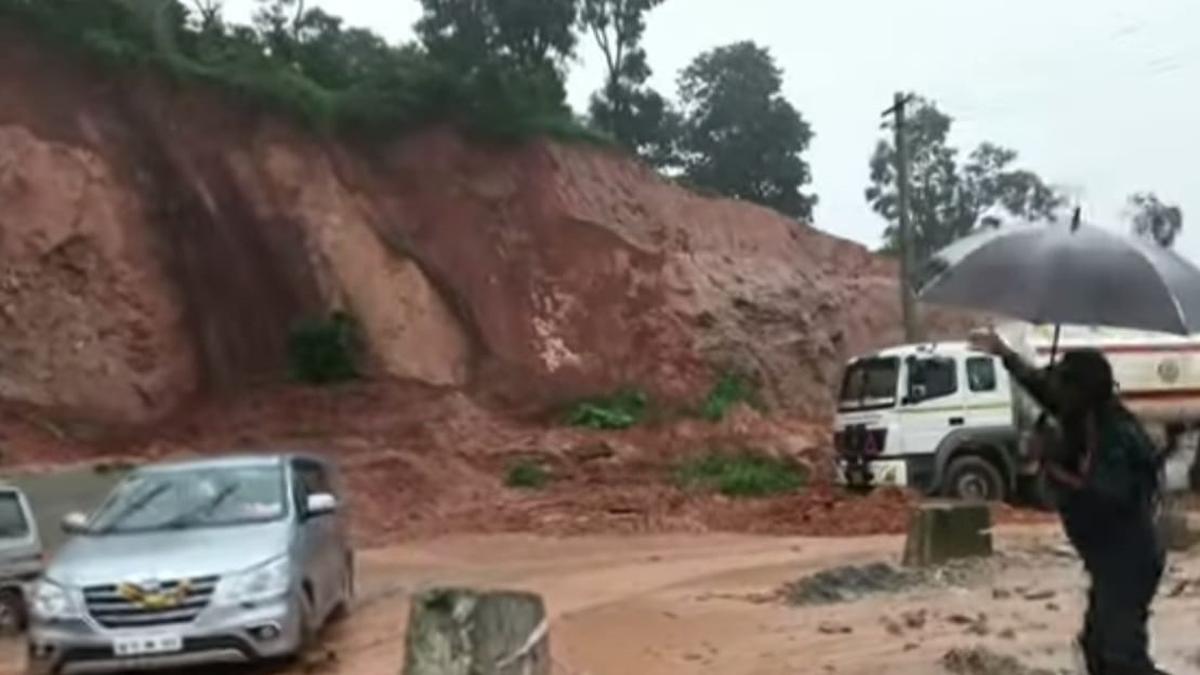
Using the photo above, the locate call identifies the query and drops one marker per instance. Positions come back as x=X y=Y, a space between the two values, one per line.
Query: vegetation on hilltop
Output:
x=493 y=67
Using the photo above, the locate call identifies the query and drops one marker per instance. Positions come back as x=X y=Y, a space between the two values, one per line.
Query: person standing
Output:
x=1104 y=477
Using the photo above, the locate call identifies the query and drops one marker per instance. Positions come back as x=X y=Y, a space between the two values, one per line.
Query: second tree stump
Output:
x=461 y=631
x=939 y=531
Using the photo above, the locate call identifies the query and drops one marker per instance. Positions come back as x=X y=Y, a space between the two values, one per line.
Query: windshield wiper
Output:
x=136 y=505
x=189 y=517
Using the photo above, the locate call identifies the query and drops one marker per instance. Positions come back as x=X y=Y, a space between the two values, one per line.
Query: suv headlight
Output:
x=52 y=602
x=268 y=581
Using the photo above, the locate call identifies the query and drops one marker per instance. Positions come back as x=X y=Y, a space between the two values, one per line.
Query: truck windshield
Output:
x=870 y=384
x=191 y=498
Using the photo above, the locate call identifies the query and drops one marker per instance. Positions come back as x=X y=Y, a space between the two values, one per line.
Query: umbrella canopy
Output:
x=1069 y=275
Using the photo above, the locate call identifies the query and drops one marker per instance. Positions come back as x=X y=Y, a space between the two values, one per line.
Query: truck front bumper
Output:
x=901 y=472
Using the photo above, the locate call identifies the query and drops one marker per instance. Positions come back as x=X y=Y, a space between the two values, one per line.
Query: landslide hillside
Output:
x=157 y=243
x=160 y=241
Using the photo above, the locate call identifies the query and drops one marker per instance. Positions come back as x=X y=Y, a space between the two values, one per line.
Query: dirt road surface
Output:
x=707 y=605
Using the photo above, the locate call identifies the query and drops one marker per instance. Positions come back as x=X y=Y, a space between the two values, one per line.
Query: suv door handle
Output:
x=957 y=421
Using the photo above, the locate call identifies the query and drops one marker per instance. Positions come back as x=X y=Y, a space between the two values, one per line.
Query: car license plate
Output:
x=147 y=645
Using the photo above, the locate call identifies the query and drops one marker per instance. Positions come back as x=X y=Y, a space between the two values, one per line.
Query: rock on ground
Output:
x=983 y=661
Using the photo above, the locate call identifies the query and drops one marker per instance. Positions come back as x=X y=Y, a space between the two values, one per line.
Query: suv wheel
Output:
x=343 y=607
x=307 y=625
x=974 y=479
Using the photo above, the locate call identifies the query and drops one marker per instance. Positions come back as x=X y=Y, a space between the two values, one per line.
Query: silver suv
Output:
x=217 y=561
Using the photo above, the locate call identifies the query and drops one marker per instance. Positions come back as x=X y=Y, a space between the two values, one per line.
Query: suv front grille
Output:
x=175 y=602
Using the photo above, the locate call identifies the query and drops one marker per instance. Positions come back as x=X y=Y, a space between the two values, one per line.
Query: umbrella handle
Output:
x=1054 y=344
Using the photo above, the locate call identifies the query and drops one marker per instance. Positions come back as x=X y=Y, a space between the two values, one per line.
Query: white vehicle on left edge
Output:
x=214 y=561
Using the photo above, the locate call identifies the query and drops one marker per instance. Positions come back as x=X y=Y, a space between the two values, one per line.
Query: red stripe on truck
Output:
x=1159 y=394
x=1132 y=349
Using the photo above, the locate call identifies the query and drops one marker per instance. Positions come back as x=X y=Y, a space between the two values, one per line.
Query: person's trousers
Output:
x=1125 y=573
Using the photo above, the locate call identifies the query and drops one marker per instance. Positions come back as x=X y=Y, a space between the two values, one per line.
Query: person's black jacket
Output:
x=1103 y=469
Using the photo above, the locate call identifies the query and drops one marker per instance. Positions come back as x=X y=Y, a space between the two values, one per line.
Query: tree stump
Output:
x=459 y=631
x=942 y=531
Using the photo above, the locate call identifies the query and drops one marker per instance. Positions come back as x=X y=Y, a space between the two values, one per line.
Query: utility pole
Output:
x=912 y=332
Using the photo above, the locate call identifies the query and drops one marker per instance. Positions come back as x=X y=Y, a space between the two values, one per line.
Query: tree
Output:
x=1154 y=219
x=508 y=58
x=209 y=14
x=988 y=182
x=316 y=43
x=740 y=136
x=524 y=35
x=948 y=201
x=635 y=115
x=277 y=23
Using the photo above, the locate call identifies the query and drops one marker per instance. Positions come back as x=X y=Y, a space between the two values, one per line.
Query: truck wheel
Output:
x=974 y=479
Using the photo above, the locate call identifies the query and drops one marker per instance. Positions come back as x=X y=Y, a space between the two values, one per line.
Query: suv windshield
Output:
x=191 y=498
x=870 y=384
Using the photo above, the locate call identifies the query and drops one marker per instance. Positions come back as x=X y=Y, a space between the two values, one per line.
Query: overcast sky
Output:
x=1098 y=96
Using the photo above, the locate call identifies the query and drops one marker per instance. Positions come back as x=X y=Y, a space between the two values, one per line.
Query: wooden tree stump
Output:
x=460 y=631
x=940 y=531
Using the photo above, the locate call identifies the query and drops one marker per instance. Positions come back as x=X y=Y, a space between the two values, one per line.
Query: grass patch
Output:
x=527 y=475
x=622 y=410
x=324 y=351
x=744 y=474
x=729 y=390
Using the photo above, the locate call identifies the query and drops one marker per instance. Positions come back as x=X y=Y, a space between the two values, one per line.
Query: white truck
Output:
x=946 y=420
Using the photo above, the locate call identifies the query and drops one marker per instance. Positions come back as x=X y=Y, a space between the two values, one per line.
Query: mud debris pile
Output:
x=983 y=661
x=850 y=583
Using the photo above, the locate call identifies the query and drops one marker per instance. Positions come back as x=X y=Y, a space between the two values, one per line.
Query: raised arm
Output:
x=1033 y=380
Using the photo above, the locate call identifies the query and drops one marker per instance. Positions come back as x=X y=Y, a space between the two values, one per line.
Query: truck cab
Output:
x=934 y=417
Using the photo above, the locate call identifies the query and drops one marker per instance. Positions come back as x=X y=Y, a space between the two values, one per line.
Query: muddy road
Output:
x=711 y=605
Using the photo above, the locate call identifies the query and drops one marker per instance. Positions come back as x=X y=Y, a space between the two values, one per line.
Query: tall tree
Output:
x=525 y=35
x=209 y=14
x=947 y=200
x=988 y=181
x=740 y=136
x=278 y=23
x=1154 y=219
x=316 y=43
x=637 y=116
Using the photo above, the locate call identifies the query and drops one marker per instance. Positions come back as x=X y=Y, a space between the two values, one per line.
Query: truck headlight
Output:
x=52 y=602
x=265 y=582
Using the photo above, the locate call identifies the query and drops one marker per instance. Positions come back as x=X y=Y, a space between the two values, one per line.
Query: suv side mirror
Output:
x=320 y=504
x=74 y=523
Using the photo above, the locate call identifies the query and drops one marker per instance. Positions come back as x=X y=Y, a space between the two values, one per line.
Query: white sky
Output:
x=1098 y=96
